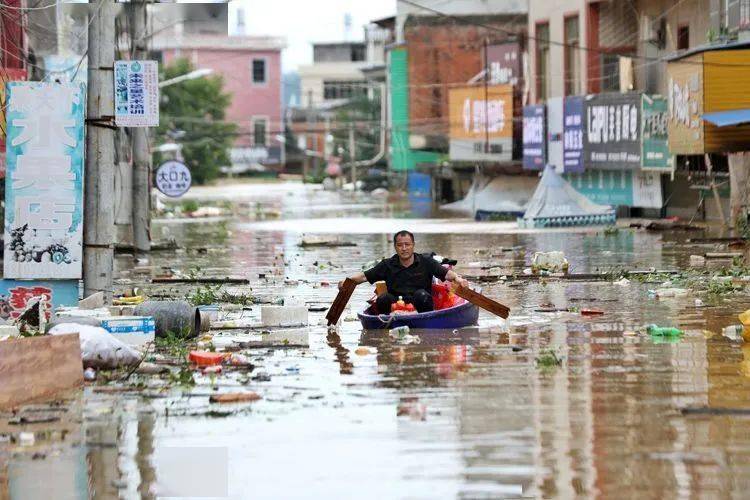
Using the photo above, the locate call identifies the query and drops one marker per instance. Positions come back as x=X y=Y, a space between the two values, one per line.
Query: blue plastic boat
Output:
x=461 y=315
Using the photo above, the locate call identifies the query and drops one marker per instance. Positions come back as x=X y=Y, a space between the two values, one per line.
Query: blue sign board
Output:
x=534 y=137
x=573 y=134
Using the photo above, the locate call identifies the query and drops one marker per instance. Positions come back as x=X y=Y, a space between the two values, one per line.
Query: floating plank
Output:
x=221 y=281
x=723 y=255
x=482 y=301
x=339 y=303
x=39 y=367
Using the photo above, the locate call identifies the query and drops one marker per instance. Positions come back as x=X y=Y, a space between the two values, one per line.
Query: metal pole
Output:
x=98 y=250
x=353 y=155
x=308 y=134
x=141 y=153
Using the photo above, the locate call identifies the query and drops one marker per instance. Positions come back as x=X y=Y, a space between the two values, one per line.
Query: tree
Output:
x=192 y=112
x=363 y=113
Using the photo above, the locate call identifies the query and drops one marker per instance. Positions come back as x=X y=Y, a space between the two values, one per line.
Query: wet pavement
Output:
x=462 y=414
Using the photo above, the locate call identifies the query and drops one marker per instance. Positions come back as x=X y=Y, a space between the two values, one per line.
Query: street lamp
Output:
x=198 y=73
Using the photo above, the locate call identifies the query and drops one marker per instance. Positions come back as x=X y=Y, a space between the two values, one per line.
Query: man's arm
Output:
x=358 y=279
x=447 y=274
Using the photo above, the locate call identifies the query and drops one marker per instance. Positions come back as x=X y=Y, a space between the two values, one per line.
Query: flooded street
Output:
x=473 y=413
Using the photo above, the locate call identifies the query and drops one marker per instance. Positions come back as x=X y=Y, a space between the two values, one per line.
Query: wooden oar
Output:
x=482 y=301
x=339 y=303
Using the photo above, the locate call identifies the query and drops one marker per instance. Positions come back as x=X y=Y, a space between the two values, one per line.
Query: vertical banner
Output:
x=613 y=131
x=44 y=181
x=481 y=125
x=136 y=94
x=573 y=134
x=555 y=133
x=534 y=137
x=655 y=155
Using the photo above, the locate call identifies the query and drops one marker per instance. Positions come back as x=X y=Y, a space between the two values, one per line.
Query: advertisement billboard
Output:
x=613 y=131
x=481 y=123
x=534 y=137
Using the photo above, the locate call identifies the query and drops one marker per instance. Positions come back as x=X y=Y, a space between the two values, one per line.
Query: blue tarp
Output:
x=727 y=118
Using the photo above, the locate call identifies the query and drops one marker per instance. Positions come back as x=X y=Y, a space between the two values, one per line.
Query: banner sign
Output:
x=534 y=137
x=613 y=131
x=555 y=133
x=136 y=94
x=573 y=134
x=481 y=123
x=504 y=61
x=44 y=181
x=655 y=140
x=628 y=188
x=15 y=295
x=173 y=178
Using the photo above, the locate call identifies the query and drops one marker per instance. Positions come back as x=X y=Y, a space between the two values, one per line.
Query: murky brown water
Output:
x=461 y=415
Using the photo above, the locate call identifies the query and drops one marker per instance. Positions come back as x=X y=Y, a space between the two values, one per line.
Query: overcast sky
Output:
x=304 y=21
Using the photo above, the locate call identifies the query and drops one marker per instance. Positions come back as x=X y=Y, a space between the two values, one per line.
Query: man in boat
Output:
x=407 y=275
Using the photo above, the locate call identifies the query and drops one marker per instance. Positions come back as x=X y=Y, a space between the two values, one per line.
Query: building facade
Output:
x=335 y=74
x=251 y=69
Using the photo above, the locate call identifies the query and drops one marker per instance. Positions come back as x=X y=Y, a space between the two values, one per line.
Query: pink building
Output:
x=251 y=68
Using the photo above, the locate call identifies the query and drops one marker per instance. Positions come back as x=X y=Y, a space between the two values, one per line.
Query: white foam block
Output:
x=283 y=315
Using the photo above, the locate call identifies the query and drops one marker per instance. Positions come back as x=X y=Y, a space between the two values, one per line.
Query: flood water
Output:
x=462 y=414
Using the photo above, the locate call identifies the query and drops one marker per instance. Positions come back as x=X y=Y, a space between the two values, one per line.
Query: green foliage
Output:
x=183 y=377
x=611 y=231
x=189 y=206
x=174 y=343
x=366 y=137
x=214 y=294
x=548 y=358
x=198 y=108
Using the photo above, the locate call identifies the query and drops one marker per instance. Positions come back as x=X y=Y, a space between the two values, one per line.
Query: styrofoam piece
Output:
x=283 y=315
x=11 y=330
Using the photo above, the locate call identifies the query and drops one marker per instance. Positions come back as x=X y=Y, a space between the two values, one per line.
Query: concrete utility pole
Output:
x=141 y=152
x=353 y=155
x=99 y=223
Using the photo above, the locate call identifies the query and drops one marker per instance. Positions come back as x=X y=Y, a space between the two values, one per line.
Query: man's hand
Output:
x=461 y=282
x=358 y=279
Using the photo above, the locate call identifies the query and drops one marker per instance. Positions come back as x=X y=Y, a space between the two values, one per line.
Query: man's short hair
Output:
x=403 y=233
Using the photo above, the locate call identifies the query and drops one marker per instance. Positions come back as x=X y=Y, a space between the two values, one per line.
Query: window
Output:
x=542 y=62
x=358 y=52
x=259 y=71
x=260 y=129
x=744 y=14
x=338 y=89
x=572 y=57
x=610 y=73
x=683 y=37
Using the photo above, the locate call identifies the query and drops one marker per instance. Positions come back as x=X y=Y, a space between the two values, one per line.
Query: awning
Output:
x=727 y=118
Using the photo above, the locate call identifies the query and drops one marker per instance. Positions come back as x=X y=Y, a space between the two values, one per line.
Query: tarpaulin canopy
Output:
x=500 y=195
x=727 y=118
x=557 y=203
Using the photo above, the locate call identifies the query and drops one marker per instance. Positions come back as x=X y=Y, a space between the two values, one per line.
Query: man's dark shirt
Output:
x=404 y=281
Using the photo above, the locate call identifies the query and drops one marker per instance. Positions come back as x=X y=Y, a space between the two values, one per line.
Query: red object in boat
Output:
x=205 y=358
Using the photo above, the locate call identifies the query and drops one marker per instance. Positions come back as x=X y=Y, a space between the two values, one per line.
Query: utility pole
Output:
x=308 y=135
x=141 y=152
x=99 y=217
x=353 y=154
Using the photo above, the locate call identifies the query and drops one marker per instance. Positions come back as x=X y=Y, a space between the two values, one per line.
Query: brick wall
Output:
x=444 y=53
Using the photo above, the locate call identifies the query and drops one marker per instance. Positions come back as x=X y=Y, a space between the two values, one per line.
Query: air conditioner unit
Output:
x=654 y=31
x=648 y=33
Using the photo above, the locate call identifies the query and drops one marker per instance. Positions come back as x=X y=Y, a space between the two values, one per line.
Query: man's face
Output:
x=404 y=247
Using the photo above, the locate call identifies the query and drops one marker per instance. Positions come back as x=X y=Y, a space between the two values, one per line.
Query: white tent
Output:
x=502 y=195
x=557 y=203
